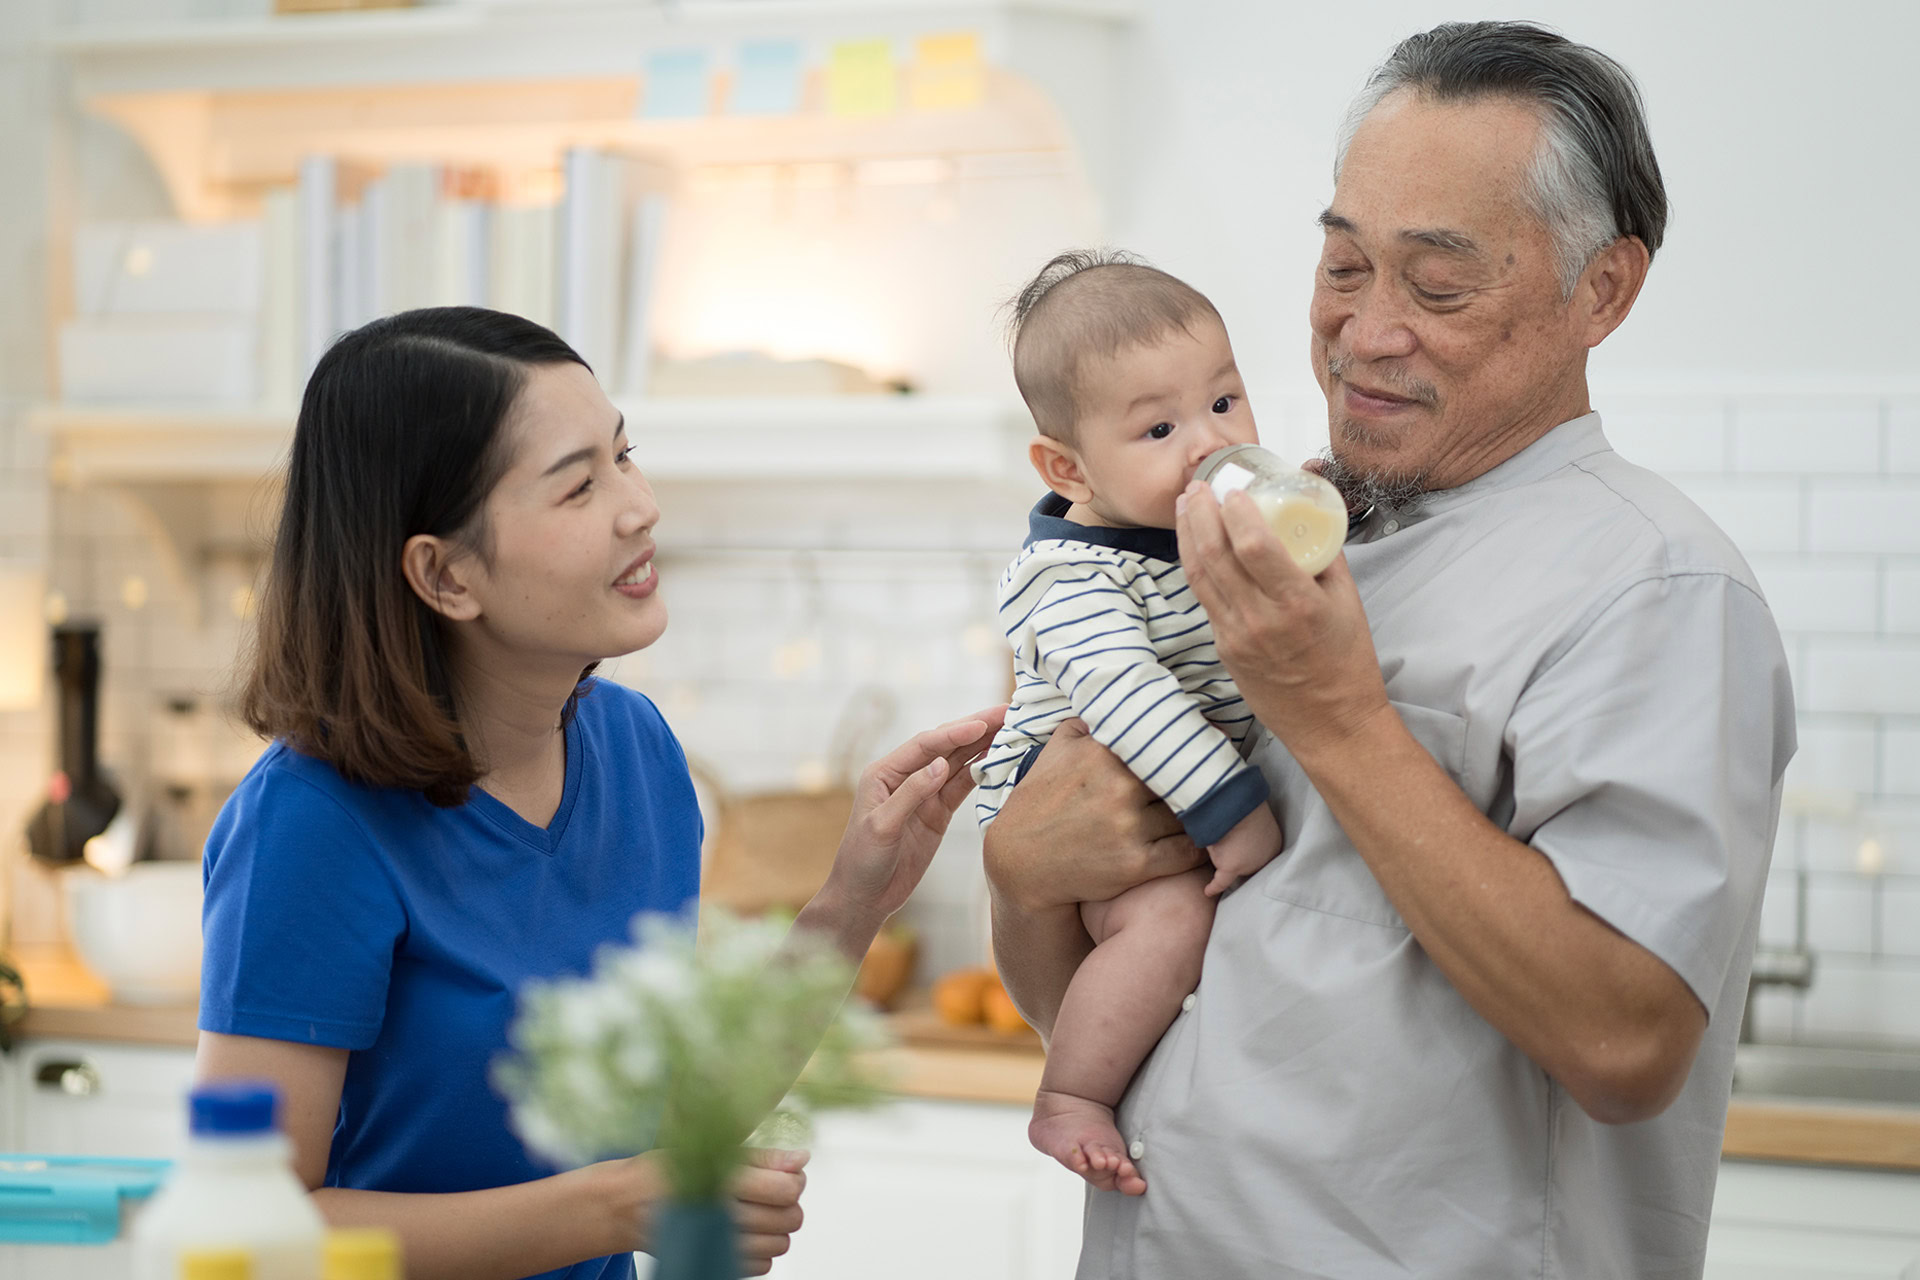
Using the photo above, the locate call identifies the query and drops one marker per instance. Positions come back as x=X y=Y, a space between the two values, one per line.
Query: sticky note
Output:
x=676 y=85
x=948 y=73
x=860 y=78
x=766 y=78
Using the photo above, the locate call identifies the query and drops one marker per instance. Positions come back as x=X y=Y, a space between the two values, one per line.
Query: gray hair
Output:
x=1594 y=178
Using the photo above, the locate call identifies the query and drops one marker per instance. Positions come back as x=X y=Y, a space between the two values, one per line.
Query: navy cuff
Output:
x=1221 y=809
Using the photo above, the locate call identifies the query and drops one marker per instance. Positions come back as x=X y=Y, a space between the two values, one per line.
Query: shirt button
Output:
x=1186 y=1006
x=1138 y=1149
x=1391 y=526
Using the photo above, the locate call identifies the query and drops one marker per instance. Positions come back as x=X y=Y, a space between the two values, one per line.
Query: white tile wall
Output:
x=1823 y=495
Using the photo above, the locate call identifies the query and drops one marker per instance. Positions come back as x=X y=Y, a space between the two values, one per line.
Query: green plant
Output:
x=688 y=1045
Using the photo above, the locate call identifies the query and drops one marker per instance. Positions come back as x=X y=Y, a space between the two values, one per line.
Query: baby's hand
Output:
x=1251 y=845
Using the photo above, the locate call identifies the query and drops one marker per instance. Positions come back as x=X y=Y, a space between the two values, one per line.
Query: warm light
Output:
x=139 y=260
x=241 y=602
x=812 y=775
x=56 y=608
x=133 y=593
x=23 y=638
x=1870 y=859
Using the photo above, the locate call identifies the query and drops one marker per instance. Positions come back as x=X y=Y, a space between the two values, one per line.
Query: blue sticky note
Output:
x=767 y=82
x=676 y=86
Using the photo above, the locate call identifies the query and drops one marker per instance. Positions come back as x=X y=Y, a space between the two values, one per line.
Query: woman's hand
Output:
x=766 y=1206
x=1081 y=827
x=901 y=808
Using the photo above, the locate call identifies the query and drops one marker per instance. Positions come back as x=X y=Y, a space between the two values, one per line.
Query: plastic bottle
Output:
x=216 y=1264
x=233 y=1189
x=1304 y=511
x=361 y=1253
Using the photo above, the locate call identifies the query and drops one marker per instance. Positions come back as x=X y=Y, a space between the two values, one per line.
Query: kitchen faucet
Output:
x=1782 y=966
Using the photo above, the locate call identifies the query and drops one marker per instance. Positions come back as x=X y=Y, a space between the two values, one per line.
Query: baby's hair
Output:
x=1089 y=302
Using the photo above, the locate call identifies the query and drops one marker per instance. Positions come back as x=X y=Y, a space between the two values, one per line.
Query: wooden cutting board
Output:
x=919 y=1026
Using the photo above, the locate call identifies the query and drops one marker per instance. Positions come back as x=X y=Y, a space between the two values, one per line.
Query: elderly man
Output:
x=1526 y=744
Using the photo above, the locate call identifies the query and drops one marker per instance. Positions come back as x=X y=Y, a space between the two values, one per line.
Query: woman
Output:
x=453 y=805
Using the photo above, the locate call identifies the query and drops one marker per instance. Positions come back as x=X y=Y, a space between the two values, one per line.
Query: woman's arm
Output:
x=503 y=1232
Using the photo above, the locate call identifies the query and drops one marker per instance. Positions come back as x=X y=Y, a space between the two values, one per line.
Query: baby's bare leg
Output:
x=1146 y=959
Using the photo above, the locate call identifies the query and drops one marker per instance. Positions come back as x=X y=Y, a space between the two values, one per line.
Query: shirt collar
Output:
x=1561 y=447
x=1048 y=522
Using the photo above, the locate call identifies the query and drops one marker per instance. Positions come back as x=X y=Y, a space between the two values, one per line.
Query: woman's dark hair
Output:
x=400 y=433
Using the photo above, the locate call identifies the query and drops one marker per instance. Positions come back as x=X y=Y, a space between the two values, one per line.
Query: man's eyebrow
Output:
x=583 y=455
x=1443 y=238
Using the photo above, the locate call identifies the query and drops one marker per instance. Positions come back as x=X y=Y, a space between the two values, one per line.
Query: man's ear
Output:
x=1609 y=286
x=439 y=573
x=1059 y=468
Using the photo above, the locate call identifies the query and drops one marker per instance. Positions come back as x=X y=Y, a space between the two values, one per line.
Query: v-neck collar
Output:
x=545 y=839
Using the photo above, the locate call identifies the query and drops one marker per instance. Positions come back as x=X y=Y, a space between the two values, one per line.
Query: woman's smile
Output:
x=639 y=581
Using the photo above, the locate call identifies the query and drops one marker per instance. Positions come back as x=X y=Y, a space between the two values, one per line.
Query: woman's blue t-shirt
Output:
x=367 y=919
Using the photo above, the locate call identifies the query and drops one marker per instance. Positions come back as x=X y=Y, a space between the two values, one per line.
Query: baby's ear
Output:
x=1059 y=468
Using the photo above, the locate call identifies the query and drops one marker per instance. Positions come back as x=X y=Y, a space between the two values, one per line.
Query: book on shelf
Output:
x=612 y=211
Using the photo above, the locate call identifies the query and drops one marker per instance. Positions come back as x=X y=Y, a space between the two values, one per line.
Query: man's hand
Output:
x=1081 y=827
x=1297 y=646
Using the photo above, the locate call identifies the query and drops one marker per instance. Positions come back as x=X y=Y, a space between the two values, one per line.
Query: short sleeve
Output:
x=301 y=920
x=1647 y=757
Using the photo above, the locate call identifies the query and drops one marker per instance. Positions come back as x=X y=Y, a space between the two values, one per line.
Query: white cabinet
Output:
x=952 y=1186
x=1807 y=1222
x=80 y=1097
x=83 y=1097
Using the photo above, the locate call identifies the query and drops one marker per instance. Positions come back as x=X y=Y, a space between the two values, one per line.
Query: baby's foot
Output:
x=1079 y=1133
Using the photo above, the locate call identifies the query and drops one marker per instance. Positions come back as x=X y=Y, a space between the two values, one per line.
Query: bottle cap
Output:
x=233 y=1107
x=361 y=1253
x=216 y=1264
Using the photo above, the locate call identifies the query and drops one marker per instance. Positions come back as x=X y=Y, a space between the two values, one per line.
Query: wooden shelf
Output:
x=227 y=109
x=878 y=438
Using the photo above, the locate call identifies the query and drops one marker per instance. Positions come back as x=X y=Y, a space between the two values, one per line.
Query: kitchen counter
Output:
x=65 y=1002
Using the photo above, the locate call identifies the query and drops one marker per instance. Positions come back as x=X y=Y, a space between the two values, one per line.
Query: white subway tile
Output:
x=1809 y=594
x=1678 y=435
x=1903 y=438
x=1900 y=760
x=1836 y=757
x=1839 y=915
x=1759 y=515
x=1837 y=845
x=1869 y=1002
x=1875 y=676
x=1900 y=613
x=1776 y=1015
x=1871 y=516
x=1778 y=919
x=1812 y=438
x=1900 y=919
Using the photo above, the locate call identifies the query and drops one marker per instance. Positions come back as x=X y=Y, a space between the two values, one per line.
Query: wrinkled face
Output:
x=570 y=576
x=1150 y=414
x=1440 y=335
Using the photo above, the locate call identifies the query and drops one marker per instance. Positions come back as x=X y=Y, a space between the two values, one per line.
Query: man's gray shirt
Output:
x=1591 y=661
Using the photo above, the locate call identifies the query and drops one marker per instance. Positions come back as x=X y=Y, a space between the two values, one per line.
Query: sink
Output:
x=1819 y=1073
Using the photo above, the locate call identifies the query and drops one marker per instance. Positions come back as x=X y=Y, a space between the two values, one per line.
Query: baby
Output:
x=1132 y=382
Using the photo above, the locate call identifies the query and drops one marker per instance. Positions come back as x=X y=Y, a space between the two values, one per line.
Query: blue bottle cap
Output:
x=233 y=1107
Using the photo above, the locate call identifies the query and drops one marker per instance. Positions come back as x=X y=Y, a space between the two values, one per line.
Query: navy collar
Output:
x=1048 y=522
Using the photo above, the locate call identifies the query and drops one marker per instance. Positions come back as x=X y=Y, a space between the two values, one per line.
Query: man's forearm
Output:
x=1605 y=1017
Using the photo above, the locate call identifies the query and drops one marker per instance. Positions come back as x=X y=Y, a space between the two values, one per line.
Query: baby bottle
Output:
x=1305 y=512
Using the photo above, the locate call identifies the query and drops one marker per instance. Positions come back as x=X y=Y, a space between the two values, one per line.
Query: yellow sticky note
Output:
x=948 y=73
x=860 y=78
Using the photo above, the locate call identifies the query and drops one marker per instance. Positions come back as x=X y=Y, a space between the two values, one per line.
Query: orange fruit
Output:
x=1000 y=1011
x=957 y=996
